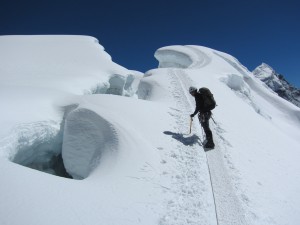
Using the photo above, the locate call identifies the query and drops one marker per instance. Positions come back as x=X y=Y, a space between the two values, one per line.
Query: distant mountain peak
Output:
x=264 y=71
x=277 y=83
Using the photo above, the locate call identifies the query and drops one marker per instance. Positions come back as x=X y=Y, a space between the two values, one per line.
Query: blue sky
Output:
x=252 y=31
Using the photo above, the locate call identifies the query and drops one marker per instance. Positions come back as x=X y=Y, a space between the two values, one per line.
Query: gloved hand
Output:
x=192 y=115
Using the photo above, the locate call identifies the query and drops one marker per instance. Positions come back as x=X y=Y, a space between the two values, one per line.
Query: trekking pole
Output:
x=191 y=120
x=213 y=120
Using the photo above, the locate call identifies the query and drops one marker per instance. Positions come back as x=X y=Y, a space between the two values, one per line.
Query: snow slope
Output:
x=124 y=139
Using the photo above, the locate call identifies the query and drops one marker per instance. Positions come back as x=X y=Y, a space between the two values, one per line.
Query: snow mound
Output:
x=87 y=137
x=181 y=57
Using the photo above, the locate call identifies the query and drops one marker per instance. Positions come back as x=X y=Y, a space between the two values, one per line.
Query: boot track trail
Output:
x=190 y=174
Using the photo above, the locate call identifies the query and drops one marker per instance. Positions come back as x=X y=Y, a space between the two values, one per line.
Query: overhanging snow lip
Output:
x=183 y=56
x=176 y=56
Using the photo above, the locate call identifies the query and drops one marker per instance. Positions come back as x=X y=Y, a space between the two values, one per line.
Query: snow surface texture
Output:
x=124 y=138
x=277 y=83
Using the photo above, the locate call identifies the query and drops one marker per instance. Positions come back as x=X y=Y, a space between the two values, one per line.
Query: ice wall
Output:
x=87 y=139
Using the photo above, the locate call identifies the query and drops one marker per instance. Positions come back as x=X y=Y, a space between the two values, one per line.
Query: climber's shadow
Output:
x=184 y=139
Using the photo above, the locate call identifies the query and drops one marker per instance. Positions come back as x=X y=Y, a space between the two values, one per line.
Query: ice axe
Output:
x=191 y=120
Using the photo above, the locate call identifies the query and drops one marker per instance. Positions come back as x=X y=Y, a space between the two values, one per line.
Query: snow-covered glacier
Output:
x=122 y=136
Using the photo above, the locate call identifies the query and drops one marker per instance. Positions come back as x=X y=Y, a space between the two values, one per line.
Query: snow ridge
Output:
x=190 y=173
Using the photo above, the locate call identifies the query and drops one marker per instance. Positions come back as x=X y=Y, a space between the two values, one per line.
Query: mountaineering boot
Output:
x=209 y=143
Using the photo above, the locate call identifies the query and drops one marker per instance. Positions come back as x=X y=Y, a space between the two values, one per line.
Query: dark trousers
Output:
x=204 y=121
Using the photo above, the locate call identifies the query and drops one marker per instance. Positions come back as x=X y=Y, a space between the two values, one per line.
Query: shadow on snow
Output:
x=188 y=141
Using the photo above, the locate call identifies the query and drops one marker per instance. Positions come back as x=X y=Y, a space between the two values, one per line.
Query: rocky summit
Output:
x=277 y=83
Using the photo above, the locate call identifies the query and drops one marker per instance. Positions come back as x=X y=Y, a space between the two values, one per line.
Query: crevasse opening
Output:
x=39 y=146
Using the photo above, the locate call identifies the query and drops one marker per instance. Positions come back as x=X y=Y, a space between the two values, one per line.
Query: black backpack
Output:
x=209 y=102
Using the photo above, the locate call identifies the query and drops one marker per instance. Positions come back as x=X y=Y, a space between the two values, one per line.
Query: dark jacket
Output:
x=199 y=104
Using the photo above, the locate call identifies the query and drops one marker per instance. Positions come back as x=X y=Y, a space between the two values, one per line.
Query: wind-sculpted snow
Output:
x=36 y=72
x=87 y=138
x=181 y=57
